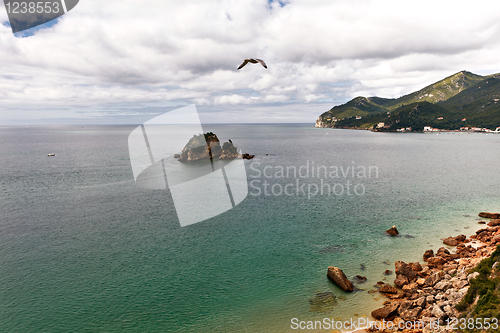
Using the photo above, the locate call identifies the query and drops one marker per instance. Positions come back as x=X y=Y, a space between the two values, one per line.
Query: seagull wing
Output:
x=262 y=62
x=243 y=64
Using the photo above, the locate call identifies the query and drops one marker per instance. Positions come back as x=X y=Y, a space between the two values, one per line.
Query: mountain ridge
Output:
x=452 y=97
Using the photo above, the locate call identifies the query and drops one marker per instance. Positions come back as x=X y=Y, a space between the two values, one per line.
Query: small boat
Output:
x=51 y=154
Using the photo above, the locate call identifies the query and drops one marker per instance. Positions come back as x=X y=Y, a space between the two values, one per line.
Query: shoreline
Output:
x=426 y=294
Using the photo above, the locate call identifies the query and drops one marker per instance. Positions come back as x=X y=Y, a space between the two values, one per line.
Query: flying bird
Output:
x=253 y=61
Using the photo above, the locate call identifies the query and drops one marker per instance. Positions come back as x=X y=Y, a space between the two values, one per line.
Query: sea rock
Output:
x=388 y=272
x=489 y=215
x=435 y=262
x=416 y=266
x=336 y=275
x=207 y=146
x=450 y=241
x=461 y=238
x=360 y=278
x=385 y=312
x=494 y=223
x=428 y=254
x=404 y=269
x=393 y=231
x=388 y=289
x=443 y=250
x=481 y=222
x=247 y=156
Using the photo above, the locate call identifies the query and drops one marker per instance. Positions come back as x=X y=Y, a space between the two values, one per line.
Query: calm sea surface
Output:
x=83 y=249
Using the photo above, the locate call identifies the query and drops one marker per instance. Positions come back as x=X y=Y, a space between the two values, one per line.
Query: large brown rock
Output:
x=434 y=278
x=435 y=262
x=388 y=289
x=401 y=280
x=428 y=254
x=416 y=266
x=393 y=231
x=489 y=215
x=404 y=269
x=494 y=223
x=338 y=277
x=410 y=314
x=442 y=250
x=410 y=288
x=450 y=241
x=385 y=312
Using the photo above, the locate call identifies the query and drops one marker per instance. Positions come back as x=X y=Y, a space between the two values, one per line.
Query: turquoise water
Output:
x=82 y=248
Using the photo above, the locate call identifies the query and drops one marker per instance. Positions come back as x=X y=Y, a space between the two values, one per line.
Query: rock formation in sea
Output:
x=207 y=146
x=393 y=231
x=337 y=276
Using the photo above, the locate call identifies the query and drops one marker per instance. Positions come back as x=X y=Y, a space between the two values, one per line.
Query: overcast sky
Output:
x=128 y=60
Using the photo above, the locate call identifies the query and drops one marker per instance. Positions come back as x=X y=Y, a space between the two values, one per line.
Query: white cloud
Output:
x=132 y=53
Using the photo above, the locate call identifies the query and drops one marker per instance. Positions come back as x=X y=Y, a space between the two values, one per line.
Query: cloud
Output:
x=106 y=53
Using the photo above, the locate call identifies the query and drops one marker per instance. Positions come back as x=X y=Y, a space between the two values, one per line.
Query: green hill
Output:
x=459 y=96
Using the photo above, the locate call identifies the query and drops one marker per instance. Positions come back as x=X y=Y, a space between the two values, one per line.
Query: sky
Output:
x=129 y=60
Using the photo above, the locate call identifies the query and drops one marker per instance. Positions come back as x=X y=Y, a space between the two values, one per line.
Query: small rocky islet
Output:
x=207 y=146
x=429 y=294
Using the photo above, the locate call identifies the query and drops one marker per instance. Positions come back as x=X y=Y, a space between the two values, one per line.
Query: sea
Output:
x=83 y=248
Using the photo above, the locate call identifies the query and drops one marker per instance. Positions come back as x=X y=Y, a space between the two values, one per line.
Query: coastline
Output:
x=427 y=294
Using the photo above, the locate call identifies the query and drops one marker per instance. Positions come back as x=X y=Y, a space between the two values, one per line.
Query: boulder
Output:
x=420 y=302
x=410 y=314
x=428 y=254
x=388 y=272
x=405 y=270
x=410 y=288
x=443 y=250
x=385 y=312
x=442 y=285
x=435 y=262
x=494 y=223
x=434 y=278
x=401 y=280
x=472 y=276
x=338 y=277
x=393 y=231
x=416 y=266
x=404 y=305
x=450 y=241
x=489 y=215
x=360 y=278
x=461 y=238
x=388 y=289
x=438 y=313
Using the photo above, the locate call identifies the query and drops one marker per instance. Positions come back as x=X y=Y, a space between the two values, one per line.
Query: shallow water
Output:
x=82 y=248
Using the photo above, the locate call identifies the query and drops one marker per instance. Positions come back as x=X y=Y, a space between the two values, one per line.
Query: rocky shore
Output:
x=428 y=295
x=423 y=298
